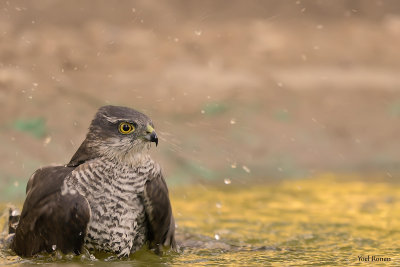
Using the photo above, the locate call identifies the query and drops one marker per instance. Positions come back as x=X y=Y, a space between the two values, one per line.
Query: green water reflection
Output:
x=317 y=221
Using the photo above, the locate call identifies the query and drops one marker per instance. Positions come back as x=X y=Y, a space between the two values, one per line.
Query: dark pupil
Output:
x=126 y=127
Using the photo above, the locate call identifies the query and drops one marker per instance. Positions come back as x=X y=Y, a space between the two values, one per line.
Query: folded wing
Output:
x=159 y=214
x=51 y=220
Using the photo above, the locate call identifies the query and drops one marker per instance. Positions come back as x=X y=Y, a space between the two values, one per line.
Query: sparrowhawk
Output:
x=110 y=197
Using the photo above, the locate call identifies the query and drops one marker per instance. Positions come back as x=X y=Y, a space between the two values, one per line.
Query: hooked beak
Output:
x=151 y=135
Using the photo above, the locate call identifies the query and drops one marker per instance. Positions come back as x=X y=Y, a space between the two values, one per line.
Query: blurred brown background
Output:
x=237 y=90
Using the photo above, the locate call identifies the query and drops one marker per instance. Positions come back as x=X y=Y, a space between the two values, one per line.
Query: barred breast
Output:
x=114 y=191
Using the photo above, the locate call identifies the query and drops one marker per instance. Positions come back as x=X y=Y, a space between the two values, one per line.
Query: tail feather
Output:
x=13 y=220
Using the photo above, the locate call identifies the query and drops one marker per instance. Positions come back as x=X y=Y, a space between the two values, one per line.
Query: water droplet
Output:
x=47 y=140
x=246 y=169
x=279 y=84
x=176 y=39
x=198 y=32
x=227 y=181
x=216 y=236
x=218 y=205
x=15 y=213
x=233 y=165
x=320 y=26
x=80 y=233
x=53 y=247
x=35 y=84
x=233 y=121
x=133 y=10
x=30 y=97
x=202 y=111
x=16 y=184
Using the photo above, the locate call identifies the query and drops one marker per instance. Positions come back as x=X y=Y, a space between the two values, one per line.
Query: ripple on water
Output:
x=325 y=222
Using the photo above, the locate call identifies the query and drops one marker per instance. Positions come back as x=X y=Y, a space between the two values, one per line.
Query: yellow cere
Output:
x=149 y=129
x=126 y=128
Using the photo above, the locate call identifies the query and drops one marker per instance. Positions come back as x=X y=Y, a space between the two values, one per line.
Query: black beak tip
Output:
x=154 y=138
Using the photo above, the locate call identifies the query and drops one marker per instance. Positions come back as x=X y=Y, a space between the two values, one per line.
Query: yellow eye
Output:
x=126 y=128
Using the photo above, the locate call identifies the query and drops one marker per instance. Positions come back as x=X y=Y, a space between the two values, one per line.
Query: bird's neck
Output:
x=133 y=159
x=89 y=150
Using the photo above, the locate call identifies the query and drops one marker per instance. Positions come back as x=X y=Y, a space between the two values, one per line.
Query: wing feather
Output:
x=50 y=220
x=159 y=214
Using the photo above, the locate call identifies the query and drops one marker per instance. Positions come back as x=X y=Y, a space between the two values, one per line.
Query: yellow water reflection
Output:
x=320 y=220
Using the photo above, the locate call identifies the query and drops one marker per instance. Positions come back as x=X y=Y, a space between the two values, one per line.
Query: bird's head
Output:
x=120 y=132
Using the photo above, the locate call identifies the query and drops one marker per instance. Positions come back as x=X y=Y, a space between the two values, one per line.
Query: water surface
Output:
x=317 y=221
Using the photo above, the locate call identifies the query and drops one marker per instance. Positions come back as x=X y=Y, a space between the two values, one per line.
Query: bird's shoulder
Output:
x=49 y=177
x=44 y=182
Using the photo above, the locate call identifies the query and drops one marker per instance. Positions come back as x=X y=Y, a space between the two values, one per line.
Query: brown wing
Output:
x=49 y=219
x=159 y=214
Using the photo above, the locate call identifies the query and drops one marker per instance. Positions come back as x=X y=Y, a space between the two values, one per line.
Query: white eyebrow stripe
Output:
x=115 y=119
